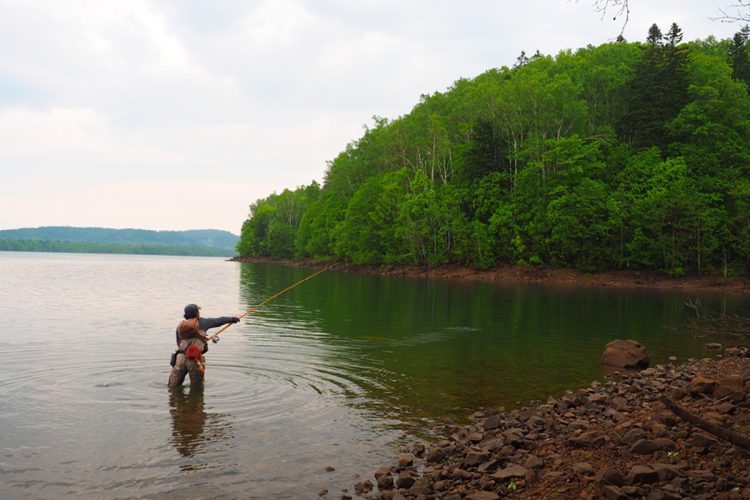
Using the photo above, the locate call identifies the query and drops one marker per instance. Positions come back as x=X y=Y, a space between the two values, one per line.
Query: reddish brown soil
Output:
x=528 y=274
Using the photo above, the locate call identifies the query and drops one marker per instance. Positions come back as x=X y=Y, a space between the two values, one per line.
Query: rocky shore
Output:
x=612 y=440
x=532 y=274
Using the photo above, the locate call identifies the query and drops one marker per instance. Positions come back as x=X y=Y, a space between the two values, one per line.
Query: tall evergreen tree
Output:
x=659 y=90
x=654 y=36
x=738 y=55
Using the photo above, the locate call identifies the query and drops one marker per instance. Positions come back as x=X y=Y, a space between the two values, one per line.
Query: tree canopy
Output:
x=625 y=155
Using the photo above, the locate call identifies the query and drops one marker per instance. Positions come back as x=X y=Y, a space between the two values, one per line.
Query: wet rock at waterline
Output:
x=625 y=354
x=614 y=439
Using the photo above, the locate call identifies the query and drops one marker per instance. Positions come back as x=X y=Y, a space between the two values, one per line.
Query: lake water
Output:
x=344 y=371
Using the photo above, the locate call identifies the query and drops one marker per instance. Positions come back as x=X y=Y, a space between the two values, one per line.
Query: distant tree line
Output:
x=119 y=248
x=191 y=238
x=621 y=156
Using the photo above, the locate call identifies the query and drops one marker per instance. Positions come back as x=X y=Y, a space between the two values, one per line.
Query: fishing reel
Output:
x=215 y=340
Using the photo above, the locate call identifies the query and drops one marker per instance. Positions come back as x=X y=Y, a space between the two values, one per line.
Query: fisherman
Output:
x=192 y=344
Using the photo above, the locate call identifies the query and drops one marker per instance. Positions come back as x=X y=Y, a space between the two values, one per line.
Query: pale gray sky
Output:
x=177 y=114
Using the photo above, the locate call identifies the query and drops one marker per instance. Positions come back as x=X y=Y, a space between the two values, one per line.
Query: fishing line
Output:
x=269 y=299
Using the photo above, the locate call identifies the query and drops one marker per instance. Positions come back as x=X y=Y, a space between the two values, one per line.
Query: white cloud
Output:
x=129 y=106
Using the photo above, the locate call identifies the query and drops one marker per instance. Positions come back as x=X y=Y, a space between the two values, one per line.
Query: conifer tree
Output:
x=738 y=55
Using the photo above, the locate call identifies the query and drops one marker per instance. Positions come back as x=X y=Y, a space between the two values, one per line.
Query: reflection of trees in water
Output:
x=411 y=350
x=192 y=427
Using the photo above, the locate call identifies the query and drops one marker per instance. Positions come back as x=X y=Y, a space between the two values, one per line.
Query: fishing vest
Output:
x=189 y=329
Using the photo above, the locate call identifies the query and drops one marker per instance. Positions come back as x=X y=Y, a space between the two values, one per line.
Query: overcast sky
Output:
x=178 y=114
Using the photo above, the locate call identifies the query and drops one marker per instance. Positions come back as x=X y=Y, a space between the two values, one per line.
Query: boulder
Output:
x=625 y=354
x=702 y=385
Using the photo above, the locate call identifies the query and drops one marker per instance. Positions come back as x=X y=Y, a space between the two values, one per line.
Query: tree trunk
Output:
x=735 y=438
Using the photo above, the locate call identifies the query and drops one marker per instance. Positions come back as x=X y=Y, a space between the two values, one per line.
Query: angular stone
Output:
x=620 y=403
x=726 y=408
x=492 y=422
x=644 y=447
x=461 y=474
x=489 y=464
x=591 y=439
x=613 y=492
x=665 y=444
x=511 y=471
x=513 y=436
x=483 y=495
x=701 y=475
x=421 y=486
x=475 y=437
x=583 y=468
x=533 y=462
x=405 y=480
x=666 y=472
x=702 y=440
x=633 y=435
x=474 y=458
x=659 y=429
x=434 y=455
x=385 y=482
x=642 y=474
x=610 y=475
x=383 y=471
x=492 y=444
x=702 y=385
x=441 y=485
x=362 y=487
x=406 y=460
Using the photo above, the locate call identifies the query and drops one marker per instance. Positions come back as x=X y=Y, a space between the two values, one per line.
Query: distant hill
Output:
x=107 y=240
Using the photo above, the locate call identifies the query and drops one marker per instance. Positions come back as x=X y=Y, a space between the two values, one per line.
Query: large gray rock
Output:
x=625 y=354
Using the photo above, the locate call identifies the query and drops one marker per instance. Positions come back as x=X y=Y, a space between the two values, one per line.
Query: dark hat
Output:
x=191 y=311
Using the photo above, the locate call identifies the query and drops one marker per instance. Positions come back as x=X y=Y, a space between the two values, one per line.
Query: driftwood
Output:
x=735 y=438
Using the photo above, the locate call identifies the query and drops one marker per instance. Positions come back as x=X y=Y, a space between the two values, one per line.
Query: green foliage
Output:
x=272 y=227
x=367 y=235
x=625 y=155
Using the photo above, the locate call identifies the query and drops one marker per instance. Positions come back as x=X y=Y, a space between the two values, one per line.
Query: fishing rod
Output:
x=214 y=338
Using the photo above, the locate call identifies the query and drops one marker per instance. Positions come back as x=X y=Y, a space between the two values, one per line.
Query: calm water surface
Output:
x=343 y=371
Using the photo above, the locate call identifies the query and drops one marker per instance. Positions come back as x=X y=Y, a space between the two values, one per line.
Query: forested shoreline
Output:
x=622 y=156
x=207 y=242
x=109 y=248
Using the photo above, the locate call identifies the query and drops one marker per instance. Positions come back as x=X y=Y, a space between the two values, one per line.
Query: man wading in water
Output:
x=192 y=344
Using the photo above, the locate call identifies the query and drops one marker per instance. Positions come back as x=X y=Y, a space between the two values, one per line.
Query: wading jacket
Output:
x=203 y=325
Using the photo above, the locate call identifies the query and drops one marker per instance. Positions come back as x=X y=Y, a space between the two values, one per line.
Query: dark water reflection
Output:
x=424 y=349
x=343 y=371
x=192 y=426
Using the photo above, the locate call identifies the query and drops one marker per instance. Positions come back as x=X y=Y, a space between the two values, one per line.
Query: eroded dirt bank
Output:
x=553 y=276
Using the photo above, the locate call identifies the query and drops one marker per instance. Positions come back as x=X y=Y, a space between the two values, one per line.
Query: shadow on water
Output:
x=415 y=349
x=194 y=429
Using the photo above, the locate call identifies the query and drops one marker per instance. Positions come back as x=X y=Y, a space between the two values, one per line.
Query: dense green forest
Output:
x=129 y=241
x=621 y=156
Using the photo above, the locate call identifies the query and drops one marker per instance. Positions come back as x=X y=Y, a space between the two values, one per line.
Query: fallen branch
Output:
x=735 y=438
